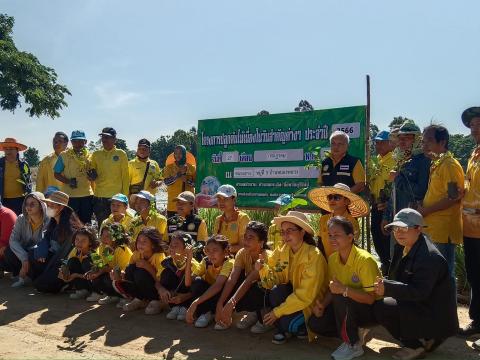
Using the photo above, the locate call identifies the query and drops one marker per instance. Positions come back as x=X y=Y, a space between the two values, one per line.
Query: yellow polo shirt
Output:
x=45 y=177
x=156 y=220
x=126 y=222
x=471 y=200
x=71 y=167
x=155 y=260
x=445 y=224
x=178 y=186
x=233 y=230
x=121 y=256
x=323 y=230
x=377 y=182
x=112 y=170
x=359 y=272
x=244 y=260
x=11 y=187
x=275 y=240
x=209 y=273
x=136 y=171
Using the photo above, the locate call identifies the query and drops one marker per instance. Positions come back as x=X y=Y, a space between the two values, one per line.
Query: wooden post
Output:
x=367 y=159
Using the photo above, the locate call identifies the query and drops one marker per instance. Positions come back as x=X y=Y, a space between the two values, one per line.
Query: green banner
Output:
x=265 y=156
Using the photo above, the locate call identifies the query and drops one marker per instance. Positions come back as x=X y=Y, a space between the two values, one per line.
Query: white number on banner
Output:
x=351 y=129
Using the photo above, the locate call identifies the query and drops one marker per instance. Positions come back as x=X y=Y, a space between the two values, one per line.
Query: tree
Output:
x=23 y=76
x=462 y=147
x=122 y=144
x=398 y=121
x=164 y=146
x=31 y=156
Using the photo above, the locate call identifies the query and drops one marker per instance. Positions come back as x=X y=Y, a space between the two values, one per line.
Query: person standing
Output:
x=341 y=167
x=46 y=176
x=144 y=173
x=109 y=170
x=71 y=171
x=441 y=206
x=15 y=176
x=471 y=222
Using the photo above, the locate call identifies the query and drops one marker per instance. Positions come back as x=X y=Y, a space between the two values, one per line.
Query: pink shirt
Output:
x=7 y=221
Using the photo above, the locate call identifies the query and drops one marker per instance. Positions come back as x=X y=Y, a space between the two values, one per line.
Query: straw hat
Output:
x=58 y=197
x=358 y=207
x=11 y=142
x=295 y=217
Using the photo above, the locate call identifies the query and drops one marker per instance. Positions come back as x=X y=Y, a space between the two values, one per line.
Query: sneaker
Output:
x=173 y=313
x=302 y=333
x=347 y=351
x=260 y=328
x=109 y=300
x=19 y=283
x=279 y=338
x=476 y=345
x=220 y=327
x=154 y=307
x=471 y=329
x=94 y=297
x=135 y=304
x=121 y=303
x=247 y=321
x=409 y=354
x=182 y=313
x=203 y=320
x=79 y=294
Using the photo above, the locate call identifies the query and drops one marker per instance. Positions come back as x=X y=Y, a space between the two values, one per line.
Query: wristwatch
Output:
x=345 y=293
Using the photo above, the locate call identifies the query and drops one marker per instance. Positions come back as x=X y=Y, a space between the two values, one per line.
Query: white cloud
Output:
x=112 y=97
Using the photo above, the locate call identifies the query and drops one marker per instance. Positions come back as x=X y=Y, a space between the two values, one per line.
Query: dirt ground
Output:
x=35 y=326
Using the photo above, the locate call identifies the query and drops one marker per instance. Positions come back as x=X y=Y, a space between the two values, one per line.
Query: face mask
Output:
x=51 y=212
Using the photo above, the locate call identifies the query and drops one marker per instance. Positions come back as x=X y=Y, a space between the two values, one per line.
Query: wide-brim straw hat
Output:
x=295 y=217
x=11 y=142
x=357 y=207
x=58 y=197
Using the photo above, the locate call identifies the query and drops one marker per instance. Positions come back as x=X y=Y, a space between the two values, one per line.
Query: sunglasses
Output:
x=334 y=197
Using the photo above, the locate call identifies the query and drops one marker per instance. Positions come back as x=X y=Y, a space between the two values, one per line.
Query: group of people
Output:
x=283 y=276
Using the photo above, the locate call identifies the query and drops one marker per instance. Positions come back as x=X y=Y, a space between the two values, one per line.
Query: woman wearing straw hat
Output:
x=296 y=273
x=15 y=181
x=338 y=200
x=56 y=244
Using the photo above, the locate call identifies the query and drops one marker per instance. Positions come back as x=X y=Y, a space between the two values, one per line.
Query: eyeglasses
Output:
x=288 y=231
x=334 y=197
x=402 y=229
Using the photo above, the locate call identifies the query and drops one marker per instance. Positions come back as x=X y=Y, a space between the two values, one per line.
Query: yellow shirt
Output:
x=11 y=187
x=377 y=182
x=209 y=273
x=126 y=222
x=45 y=177
x=471 y=200
x=233 y=230
x=244 y=260
x=274 y=239
x=75 y=168
x=136 y=172
x=444 y=224
x=178 y=186
x=323 y=230
x=112 y=170
x=156 y=220
x=74 y=253
x=121 y=256
x=359 y=272
x=306 y=270
x=155 y=260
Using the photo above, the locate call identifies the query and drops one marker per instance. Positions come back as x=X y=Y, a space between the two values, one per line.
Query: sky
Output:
x=150 y=67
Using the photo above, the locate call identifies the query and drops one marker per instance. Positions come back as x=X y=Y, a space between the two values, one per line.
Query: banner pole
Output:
x=367 y=159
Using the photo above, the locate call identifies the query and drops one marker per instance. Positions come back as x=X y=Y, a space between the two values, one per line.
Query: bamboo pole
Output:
x=367 y=157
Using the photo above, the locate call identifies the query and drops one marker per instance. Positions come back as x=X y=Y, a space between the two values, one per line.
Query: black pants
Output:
x=199 y=286
x=101 y=209
x=77 y=267
x=10 y=262
x=325 y=325
x=472 y=266
x=175 y=282
x=139 y=283
x=291 y=323
x=380 y=241
x=103 y=285
x=83 y=207
x=387 y=314
x=14 y=204
x=45 y=275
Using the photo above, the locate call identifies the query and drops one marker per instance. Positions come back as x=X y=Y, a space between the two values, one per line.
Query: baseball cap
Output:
x=120 y=197
x=144 y=142
x=108 y=131
x=226 y=191
x=145 y=195
x=78 y=135
x=382 y=136
x=50 y=190
x=407 y=218
x=186 y=196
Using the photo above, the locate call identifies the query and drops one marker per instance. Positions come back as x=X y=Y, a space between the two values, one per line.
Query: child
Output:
x=171 y=287
x=79 y=262
x=144 y=270
x=339 y=201
x=208 y=280
x=120 y=212
x=113 y=255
